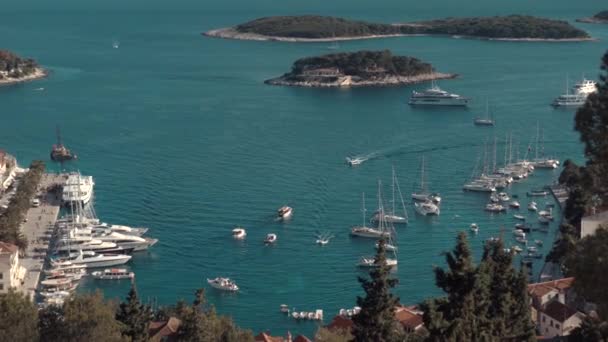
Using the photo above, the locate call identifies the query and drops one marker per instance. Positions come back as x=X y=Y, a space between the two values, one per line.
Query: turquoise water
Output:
x=182 y=136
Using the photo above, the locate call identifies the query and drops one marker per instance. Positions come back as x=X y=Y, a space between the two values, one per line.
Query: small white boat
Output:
x=295 y=315
x=322 y=242
x=519 y=217
x=495 y=208
x=116 y=44
x=519 y=233
x=543 y=220
x=427 y=208
x=270 y=239
x=536 y=193
x=354 y=161
x=284 y=308
x=516 y=249
x=224 y=284
x=371 y=262
x=503 y=197
x=532 y=206
x=239 y=233
x=474 y=228
x=285 y=212
x=532 y=249
x=521 y=240
x=113 y=274
x=538 y=242
x=514 y=204
x=494 y=198
x=388 y=247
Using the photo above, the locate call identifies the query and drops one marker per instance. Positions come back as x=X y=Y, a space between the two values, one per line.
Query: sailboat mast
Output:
x=536 y=147
x=380 y=208
x=494 y=157
x=422 y=175
x=363 y=207
x=393 y=190
x=510 y=147
x=506 y=142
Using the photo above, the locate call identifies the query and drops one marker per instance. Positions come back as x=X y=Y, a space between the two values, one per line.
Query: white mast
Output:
x=363 y=207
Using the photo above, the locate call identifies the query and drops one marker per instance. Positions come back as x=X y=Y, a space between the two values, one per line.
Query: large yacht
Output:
x=436 y=96
x=585 y=87
x=569 y=100
x=92 y=259
x=78 y=188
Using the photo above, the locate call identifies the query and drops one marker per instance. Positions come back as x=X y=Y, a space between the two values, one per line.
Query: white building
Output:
x=12 y=274
x=590 y=223
x=7 y=170
x=558 y=319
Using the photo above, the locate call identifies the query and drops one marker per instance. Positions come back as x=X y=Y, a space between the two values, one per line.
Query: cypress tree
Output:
x=520 y=323
x=501 y=269
x=376 y=321
x=135 y=316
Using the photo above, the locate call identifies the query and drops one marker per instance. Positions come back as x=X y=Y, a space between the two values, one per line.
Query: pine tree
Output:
x=18 y=317
x=520 y=323
x=135 y=316
x=376 y=321
x=501 y=270
x=89 y=318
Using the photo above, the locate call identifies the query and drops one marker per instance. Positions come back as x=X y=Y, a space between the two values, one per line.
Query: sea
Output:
x=182 y=136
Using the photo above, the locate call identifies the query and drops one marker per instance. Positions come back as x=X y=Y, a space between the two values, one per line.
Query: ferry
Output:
x=435 y=96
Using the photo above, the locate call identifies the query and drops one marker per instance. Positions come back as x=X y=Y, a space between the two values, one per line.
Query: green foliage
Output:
x=15 y=65
x=512 y=26
x=601 y=15
x=11 y=219
x=337 y=335
x=18 y=317
x=591 y=329
x=89 y=318
x=363 y=64
x=376 y=321
x=50 y=324
x=134 y=316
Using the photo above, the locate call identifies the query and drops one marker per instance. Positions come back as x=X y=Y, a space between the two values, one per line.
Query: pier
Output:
x=39 y=227
x=550 y=270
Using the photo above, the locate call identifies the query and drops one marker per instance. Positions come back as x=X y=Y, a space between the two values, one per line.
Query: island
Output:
x=598 y=18
x=313 y=28
x=361 y=68
x=15 y=69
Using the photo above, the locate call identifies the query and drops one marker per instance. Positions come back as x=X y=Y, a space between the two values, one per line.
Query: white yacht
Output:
x=224 y=284
x=82 y=243
x=107 y=228
x=239 y=233
x=426 y=208
x=92 y=259
x=435 y=96
x=113 y=274
x=585 y=87
x=514 y=204
x=78 y=188
x=127 y=241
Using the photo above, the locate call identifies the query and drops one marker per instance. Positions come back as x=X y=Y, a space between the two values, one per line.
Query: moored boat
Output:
x=113 y=274
x=239 y=233
x=270 y=239
x=224 y=284
x=284 y=212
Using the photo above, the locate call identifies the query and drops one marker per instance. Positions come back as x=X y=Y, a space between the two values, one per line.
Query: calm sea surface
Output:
x=182 y=136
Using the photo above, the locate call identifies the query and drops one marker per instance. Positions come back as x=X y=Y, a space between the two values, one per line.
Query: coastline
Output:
x=592 y=20
x=232 y=33
x=37 y=74
x=347 y=81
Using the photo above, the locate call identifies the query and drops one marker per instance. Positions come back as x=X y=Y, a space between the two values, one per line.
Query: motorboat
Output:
x=514 y=204
x=483 y=121
x=78 y=188
x=516 y=249
x=367 y=232
x=538 y=242
x=543 y=220
x=239 y=233
x=532 y=249
x=537 y=193
x=427 y=208
x=75 y=244
x=322 y=242
x=388 y=247
x=519 y=217
x=284 y=308
x=521 y=240
x=532 y=206
x=479 y=187
x=546 y=163
x=503 y=197
x=127 y=241
x=126 y=230
x=519 y=233
x=495 y=208
x=354 y=161
x=284 y=212
x=474 y=228
x=92 y=259
x=494 y=198
x=435 y=96
x=371 y=262
x=270 y=239
x=546 y=213
x=113 y=274
x=224 y=284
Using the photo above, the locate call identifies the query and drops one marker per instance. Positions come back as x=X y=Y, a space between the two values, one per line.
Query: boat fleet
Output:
x=81 y=242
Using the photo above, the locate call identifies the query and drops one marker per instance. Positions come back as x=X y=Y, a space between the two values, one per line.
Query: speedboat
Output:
x=474 y=228
x=354 y=161
x=113 y=274
x=495 y=208
x=368 y=232
x=532 y=206
x=519 y=233
x=322 y=241
x=284 y=212
x=519 y=217
x=224 y=284
x=483 y=121
x=426 y=208
x=435 y=96
x=514 y=204
x=371 y=262
x=503 y=197
x=270 y=239
x=239 y=233
x=546 y=213
x=388 y=247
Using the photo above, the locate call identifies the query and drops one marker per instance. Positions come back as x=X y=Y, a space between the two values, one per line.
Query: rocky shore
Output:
x=592 y=20
x=354 y=81
x=232 y=33
x=37 y=74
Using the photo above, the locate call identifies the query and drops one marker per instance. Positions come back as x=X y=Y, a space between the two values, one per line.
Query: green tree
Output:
x=51 y=324
x=592 y=329
x=135 y=316
x=18 y=317
x=521 y=327
x=376 y=321
x=88 y=318
x=338 y=335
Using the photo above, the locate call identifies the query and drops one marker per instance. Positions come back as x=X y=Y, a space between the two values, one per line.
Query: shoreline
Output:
x=592 y=20
x=39 y=73
x=232 y=33
x=346 y=81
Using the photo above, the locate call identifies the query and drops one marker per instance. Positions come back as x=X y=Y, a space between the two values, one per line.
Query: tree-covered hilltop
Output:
x=512 y=26
x=315 y=26
x=363 y=64
x=603 y=15
x=13 y=66
x=324 y=27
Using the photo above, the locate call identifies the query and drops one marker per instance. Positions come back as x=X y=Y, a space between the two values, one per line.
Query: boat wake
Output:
x=360 y=159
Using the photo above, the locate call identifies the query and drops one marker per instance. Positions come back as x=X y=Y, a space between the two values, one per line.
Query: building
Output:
x=409 y=317
x=558 y=319
x=590 y=223
x=266 y=337
x=164 y=330
x=7 y=170
x=12 y=274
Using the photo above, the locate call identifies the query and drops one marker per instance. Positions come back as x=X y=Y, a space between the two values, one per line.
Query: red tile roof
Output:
x=301 y=338
x=8 y=248
x=164 y=330
x=263 y=337
x=408 y=318
x=541 y=289
x=340 y=322
x=558 y=311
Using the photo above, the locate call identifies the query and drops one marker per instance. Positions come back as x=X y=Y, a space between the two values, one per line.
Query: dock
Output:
x=551 y=271
x=39 y=230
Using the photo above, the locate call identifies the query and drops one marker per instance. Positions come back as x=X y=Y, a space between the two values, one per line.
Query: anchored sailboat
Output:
x=423 y=194
x=363 y=230
x=392 y=215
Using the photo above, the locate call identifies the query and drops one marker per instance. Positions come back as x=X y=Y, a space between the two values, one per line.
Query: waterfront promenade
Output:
x=39 y=228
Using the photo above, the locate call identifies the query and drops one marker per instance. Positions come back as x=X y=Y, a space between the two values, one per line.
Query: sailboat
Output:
x=59 y=152
x=543 y=162
x=392 y=216
x=363 y=230
x=487 y=121
x=423 y=194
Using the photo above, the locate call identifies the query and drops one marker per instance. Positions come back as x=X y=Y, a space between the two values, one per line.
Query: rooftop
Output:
x=8 y=248
x=541 y=289
x=264 y=337
x=558 y=311
x=164 y=330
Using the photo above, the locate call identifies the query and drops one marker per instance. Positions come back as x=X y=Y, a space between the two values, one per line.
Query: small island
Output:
x=598 y=18
x=312 y=28
x=355 y=69
x=15 y=69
